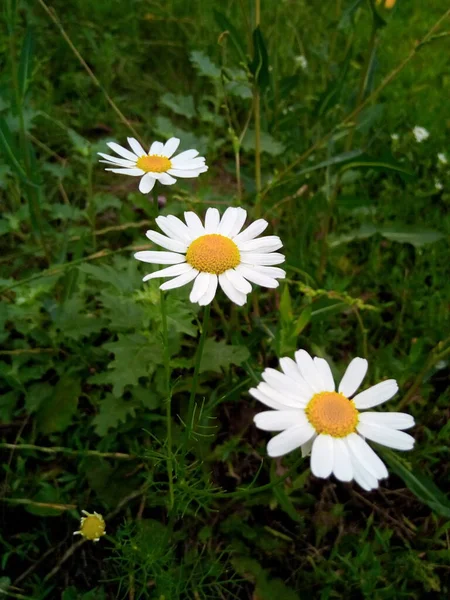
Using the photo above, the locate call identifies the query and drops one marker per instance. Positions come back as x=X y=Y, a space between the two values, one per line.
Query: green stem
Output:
x=168 y=399
x=198 y=359
x=257 y=116
x=69 y=451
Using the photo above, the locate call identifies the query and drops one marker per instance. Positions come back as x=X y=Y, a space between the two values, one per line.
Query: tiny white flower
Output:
x=312 y=415
x=442 y=158
x=395 y=137
x=420 y=133
x=301 y=60
x=215 y=253
x=158 y=164
x=438 y=184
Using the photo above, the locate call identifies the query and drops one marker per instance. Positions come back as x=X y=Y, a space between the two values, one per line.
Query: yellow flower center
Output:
x=332 y=413
x=92 y=527
x=154 y=163
x=213 y=253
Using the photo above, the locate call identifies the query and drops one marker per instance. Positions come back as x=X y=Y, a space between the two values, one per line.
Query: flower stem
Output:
x=198 y=359
x=257 y=117
x=168 y=398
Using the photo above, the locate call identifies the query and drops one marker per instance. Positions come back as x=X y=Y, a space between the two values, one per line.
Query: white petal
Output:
x=309 y=371
x=253 y=258
x=212 y=220
x=274 y=272
x=156 y=148
x=377 y=394
x=342 y=463
x=200 y=287
x=188 y=165
x=174 y=228
x=255 y=277
x=132 y=172
x=353 y=376
x=146 y=184
x=208 y=296
x=291 y=369
x=122 y=162
x=166 y=179
x=136 y=147
x=366 y=456
x=241 y=215
x=123 y=152
x=393 y=420
x=267 y=400
x=252 y=231
x=173 y=271
x=170 y=147
x=227 y=221
x=179 y=281
x=166 y=242
x=187 y=174
x=307 y=446
x=362 y=477
x=284 y=384
x=399 y=440
x=268 y=243
x=289 y=440
x=186 y=155
x=325 y=373
x=322 y=456
x=281 y=397
x=194 y=224
x=236 y=279
x=278 y=420
x=160 y=258
x=233 y=294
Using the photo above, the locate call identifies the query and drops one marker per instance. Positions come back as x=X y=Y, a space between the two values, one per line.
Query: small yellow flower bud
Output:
x=92 y=526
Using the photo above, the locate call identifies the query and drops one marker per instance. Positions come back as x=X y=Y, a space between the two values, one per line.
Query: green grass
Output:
x=82 y=366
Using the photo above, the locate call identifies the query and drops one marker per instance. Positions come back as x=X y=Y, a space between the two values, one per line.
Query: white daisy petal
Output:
x=342 y=463
x=282 y=383
x=393 y=420
x=377 y=394
x=156 y=148
x=366 y=456
x=325 y=372
x=123 y=152
x=322 y=456
x=236 y=279
x=173 y=271
x=353 y=376
x=200 y=287
x=268 y=243
x=174 y=228
x=212 y=220
x=208 y=296
x=253 y=258
x=281 y=397
x=256 y=277
x=188 y=165
x=362 y=477
x=289 y=440
x=274 y=272
x=307 y=446
x=170 y=147
x=290 y=368
x=194 y=224
x=136 y=147
x=160 y=258
x=278 y=420
x=131 y=172
x=267 y=400
x=251 y=232
x=146 y=184
x=187 y=174
x=165 y=242
x=309 y=371
x=166 y=179
x=233 y=294
x=179 y=281
x=186 y=155
x=123 y=162
x=227 y=221
x=399 y=440
x=241 y=216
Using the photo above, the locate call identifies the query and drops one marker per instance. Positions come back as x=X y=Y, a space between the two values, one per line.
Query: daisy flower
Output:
x=420 y=133
x=312 y=415
x=158 y=164
x=92 y=526
x=215 y=253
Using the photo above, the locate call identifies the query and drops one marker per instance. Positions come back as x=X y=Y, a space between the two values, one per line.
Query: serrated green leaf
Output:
x=179 y=104
x=113 y=411
x=219 y=355
x=56 y=413
x=36 y=394
x=120 y=280
x=267 y=143
x=204 y=65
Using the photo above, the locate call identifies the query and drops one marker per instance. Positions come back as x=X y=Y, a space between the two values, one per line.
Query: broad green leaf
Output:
x=8 y=402
x=118 y=279
x=165 y=128
x=268 y=143
x=180 y=105
x=259 y=66
x=219 y=355
x=48 y=495
x=113 y=411
x=383 y=163
x=204 y=65
x=122 y=312
x=74 y=320
x=26 y=62
x=37 y=394
x=362 y=233
x=420 y=485
x=226 y=25
x=410 y=235
x=55 y=414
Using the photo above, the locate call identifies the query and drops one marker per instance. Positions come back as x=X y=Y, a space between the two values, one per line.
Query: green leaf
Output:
x=117 y=278
x=36 y=394
x=180 y=105
x=56 y=413
x=259 y=67
x=122 y=312
x=113 y=411
x=384 y=163
x=332 y=94
x=10 y=152
x=226 y=25
x=8 y=402
x=204 y=65
x=410 y=235
x=164 y=127
x=420 y=485
x=26 y=62
x=47 y=494
x=267 y=143
x=219 y=355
